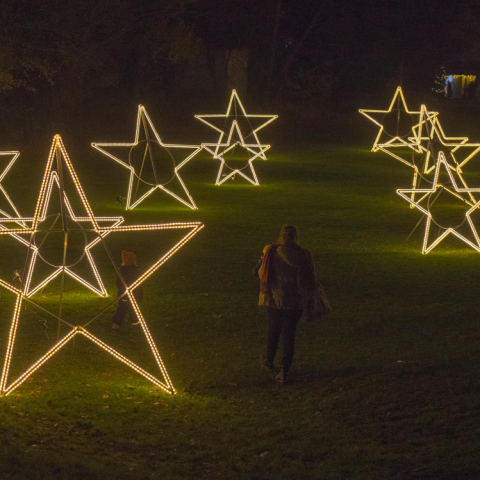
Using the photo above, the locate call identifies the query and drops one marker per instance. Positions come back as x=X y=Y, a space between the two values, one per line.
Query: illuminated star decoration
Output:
x=138 y=173
x=397 y=105
x=455 y=192
x=433 y=132
x=425 y=135
x=434 y=141
x=14 y=156
x=232 y=137
x=59 y=153
x=411 y=141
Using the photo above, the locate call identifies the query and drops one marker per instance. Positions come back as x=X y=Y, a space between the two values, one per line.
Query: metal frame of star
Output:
x=129 y=205
x=428 y=191
x=78 y=329
x=255 y=148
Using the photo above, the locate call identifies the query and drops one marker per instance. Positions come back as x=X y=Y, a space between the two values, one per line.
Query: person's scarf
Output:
x=306 y=274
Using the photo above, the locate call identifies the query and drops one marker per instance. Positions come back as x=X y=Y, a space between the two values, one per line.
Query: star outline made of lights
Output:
x=228 y=147
x=419 y=142
x=255 y=149
x=130 y=205
x=129 y=289
x=395 y=141
x=425 y=247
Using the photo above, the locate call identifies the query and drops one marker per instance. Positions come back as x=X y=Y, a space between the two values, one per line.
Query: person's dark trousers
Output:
x=123 y=307
x=279 y=321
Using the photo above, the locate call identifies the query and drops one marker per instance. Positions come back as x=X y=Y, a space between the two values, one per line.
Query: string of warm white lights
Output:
x=455 y=192
x=51 y=177
x=431 y=141
x=144 y=120
x=219 y=149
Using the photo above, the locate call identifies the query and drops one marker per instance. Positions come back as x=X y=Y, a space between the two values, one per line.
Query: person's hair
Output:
x=128 y=258
x=288 y=235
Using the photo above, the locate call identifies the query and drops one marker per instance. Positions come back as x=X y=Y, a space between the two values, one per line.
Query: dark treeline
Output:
x=63 y=62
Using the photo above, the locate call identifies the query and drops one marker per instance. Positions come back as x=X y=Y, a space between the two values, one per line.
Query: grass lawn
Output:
x=386 y=388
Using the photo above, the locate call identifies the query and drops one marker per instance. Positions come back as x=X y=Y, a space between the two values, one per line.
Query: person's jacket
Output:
x=129 y=274
x=291 y=273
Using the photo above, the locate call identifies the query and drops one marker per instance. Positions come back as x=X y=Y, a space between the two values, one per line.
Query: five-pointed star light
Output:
x=79 y=326
x=137 y=173
x=228 y=126
x=426 y=139
x=397 y=104
x=455 y=192
x=11 y=161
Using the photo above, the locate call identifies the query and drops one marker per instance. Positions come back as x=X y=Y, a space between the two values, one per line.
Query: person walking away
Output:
x=127 y=274
x=287 y=276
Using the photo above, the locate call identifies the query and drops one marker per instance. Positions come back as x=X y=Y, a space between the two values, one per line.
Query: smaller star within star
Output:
x=78 y=326
x=455 y=192
x=223 y=150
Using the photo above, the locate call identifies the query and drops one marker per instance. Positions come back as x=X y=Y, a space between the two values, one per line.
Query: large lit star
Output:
x=455 y=192
x=231 y=137
x=79 y=325
x=147 y=171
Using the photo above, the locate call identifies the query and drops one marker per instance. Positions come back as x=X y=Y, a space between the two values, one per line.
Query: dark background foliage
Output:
x=68 y=66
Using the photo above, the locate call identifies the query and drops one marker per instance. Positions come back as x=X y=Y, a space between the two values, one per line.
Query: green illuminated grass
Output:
x=387 y=387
